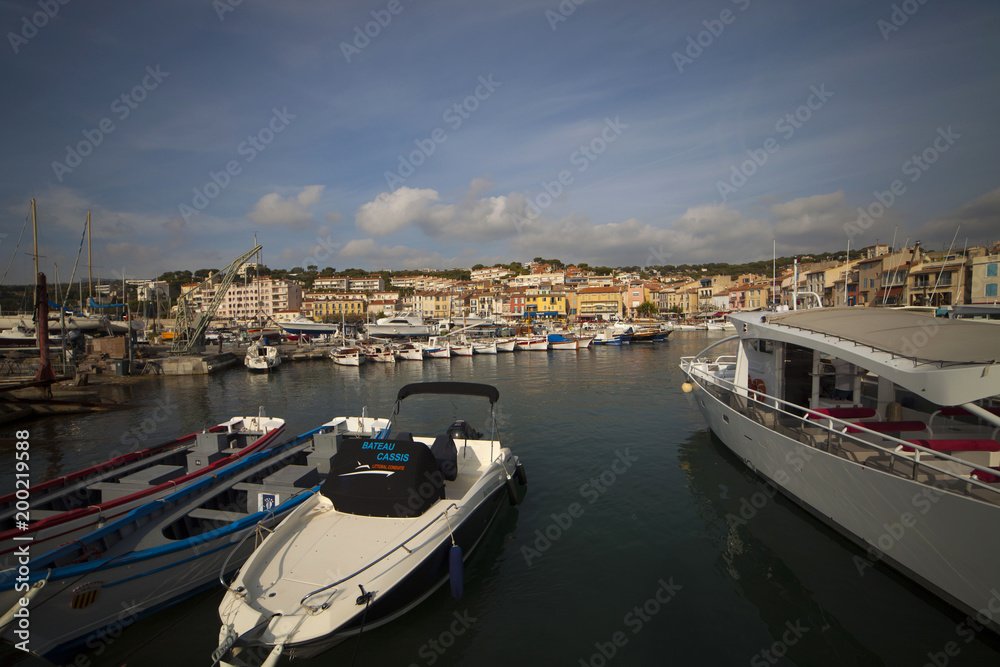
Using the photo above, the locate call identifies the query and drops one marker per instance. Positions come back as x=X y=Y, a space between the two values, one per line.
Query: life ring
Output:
x=757 y=389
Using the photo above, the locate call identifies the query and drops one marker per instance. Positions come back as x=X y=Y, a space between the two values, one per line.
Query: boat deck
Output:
x=944 y=449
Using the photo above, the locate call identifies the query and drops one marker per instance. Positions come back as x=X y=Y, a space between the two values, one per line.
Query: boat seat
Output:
x=446 y=454
x=153 y=475
x=989 y=478
x=843 y=413
x=115 y=490
x=955 y=445
x=389 y=478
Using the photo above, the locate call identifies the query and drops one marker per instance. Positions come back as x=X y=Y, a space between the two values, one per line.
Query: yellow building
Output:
x=599 y=303
x=545 y=305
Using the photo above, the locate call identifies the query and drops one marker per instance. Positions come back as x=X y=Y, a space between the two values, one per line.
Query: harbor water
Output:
x=641 y=541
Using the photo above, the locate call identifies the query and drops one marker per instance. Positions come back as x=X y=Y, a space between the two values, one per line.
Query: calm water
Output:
x=649 y=571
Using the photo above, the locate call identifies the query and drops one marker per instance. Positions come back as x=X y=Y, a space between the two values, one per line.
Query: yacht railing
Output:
x=756 y=408
x=401 y=545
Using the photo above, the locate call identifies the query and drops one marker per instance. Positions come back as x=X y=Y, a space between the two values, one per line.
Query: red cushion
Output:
x=954 y=445
x=844 y=413
x=889 y=427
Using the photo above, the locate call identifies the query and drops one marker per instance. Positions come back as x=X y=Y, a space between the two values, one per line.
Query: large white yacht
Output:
x=404 y=324
x=883 y=424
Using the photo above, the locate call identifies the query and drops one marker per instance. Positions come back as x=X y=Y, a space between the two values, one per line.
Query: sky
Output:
x=410 y=134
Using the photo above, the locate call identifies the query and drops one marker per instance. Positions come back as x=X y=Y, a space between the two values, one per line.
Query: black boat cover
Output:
x=459 y=388
x=390 y=478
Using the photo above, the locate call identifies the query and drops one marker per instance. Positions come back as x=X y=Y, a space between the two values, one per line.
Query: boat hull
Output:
x=73 y=524
x=418 y=583
x=533 y=344
x=417 y=586
x=921 y=531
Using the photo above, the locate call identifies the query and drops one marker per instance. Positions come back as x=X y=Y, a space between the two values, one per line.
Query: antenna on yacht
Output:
x=944 y=260
x=892 y=272
x=847 y=269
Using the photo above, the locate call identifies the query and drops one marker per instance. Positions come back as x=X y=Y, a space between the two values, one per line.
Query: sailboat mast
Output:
x=34 y=234
x=90 y=264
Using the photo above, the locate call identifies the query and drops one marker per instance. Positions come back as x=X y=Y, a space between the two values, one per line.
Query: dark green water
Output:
x=621 y=552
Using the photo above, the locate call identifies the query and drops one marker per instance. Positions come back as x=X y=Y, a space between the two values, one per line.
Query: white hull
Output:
x=438 y=352
x=411 y=353
x=348 y=357
x=308 y=327
x=461 y=350
x=484 y=348
x=400 y=330
x=939 y=548
x=382 y=358
x=262 y=358
x=532 y=344
x=507 y=345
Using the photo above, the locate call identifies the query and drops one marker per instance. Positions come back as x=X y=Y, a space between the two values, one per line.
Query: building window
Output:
x=991 y=289
x=991 y=270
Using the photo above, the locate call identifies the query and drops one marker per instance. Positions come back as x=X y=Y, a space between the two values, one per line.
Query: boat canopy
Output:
x=947 y=362
x=898 y=332
x=458 y=388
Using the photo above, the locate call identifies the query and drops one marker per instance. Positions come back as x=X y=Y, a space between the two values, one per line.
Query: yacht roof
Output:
x=902 y=333
x=948 y=362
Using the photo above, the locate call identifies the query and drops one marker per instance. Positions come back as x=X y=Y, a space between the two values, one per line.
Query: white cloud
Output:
x=273 y=210
x=473 y=218
x=393 y=211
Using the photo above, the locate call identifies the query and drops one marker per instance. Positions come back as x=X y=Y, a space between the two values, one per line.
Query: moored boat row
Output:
x=359 y=490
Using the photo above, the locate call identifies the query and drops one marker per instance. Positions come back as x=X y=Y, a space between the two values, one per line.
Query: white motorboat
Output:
x=614 y=335
x=881 y=423
x=437 y=349
x=393 y=521
x=260 y=357
x=411 y=352
x=382 y=354
x=167 y=549
x=70 y=506
x=484 y=347
x=405 y=324
x=348 y=356
x=461 y=349
x=558 y=341
x=506 y=344
x=532 y=343
x=720 y=324
x=303 y=325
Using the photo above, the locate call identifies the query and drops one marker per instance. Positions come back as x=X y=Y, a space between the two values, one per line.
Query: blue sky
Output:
x=456 y=133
